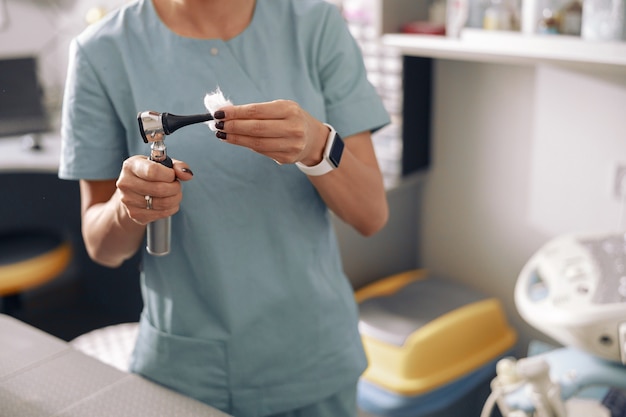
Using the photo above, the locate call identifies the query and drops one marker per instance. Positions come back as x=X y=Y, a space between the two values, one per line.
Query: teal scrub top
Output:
x=251 y=312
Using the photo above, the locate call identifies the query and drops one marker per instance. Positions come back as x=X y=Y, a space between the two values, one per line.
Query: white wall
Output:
x=44 y=28
x=520 y=154
x=393 y=249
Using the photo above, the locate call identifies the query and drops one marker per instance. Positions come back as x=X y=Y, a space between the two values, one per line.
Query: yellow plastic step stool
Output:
x=428 y=342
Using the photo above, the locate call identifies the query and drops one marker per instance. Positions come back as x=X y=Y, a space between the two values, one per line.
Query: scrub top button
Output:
x=214 y=51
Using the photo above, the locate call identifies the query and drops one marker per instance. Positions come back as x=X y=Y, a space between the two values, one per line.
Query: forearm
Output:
x=110 y=235
x=355 y=193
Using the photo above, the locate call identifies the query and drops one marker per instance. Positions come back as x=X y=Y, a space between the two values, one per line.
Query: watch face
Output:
x=336 y=151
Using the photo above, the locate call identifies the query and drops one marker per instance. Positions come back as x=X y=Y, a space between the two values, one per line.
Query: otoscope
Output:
x=153 y=127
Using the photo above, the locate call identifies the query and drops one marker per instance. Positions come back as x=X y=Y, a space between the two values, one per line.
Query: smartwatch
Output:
x=331 y=158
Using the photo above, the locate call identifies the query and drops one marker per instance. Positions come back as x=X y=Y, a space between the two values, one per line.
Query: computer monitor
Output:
x=22 y=109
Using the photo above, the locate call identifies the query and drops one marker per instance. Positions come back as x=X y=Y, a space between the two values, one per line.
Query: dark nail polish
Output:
x=187 y=170
x=219 y=125
x=219 y=114
x=221 y=135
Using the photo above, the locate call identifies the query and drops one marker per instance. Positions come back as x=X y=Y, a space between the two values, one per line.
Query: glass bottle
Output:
x=498 y=16
x=548 y=22
x=571 y=18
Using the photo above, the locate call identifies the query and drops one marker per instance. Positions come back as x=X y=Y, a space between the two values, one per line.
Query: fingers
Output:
x=182 y=170
x=274 y=119
x=139 y=170
x=279 y=129
x=150 y=190
x=277 y=109
x=141 y=167
x=280 y=143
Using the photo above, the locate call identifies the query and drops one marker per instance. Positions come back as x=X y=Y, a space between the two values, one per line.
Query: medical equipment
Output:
x=432 y=345
x=153 y=127
x=574 y=290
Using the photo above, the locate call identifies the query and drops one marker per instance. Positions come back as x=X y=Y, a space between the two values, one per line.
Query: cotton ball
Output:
x=213 y=102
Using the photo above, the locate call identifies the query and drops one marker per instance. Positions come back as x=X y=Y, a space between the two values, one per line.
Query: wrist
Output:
x=316 y=154
x=331 y=155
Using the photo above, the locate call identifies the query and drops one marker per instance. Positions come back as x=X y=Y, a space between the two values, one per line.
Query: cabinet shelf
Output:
x=511 y=47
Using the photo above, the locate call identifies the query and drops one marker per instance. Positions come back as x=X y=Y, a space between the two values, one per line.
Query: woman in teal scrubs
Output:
x=251 y=311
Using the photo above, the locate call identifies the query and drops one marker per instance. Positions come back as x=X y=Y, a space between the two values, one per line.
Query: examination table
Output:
x=42 y=376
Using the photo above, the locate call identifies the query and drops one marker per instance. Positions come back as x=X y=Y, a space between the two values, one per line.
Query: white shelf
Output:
x=511 y=47
x=16 y=157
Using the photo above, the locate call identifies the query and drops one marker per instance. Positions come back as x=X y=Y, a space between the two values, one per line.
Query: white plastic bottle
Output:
x=571 y=18
x=456 y=17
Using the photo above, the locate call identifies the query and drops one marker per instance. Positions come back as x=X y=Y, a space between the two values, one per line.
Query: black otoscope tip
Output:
x=172 y=122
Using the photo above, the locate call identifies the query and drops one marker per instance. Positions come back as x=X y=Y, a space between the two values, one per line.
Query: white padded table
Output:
x=42 y=376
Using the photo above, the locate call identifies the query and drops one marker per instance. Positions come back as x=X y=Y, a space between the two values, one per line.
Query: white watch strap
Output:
x=324 y=167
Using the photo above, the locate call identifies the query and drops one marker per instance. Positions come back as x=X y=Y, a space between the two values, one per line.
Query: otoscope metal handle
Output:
x=158 y=236
x=153 y=127
x=159 y=232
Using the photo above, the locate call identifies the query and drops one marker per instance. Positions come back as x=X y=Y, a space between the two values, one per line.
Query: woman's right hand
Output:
x=143 y=182
x=115 y=213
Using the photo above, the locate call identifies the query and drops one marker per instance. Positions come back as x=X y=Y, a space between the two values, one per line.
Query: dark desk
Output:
x=42 y=376
x=88 y=295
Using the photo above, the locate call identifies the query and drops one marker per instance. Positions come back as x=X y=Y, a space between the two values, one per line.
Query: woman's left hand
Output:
x=280 y=130
x=285 y=132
